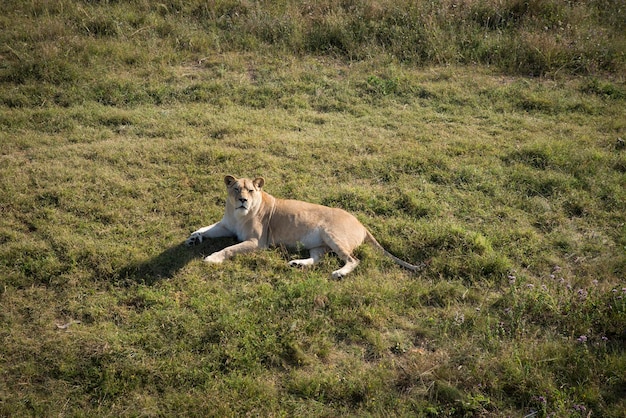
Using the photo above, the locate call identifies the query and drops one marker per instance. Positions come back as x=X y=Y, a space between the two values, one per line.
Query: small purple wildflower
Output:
x=595 y=282
x=544 y=287
x=582 y=294
x=582 y=339
x=604 y=338
x=530 y=285
x=580 y=408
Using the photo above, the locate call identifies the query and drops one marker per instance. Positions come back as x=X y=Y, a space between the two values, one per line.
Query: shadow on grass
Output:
x=166 y=264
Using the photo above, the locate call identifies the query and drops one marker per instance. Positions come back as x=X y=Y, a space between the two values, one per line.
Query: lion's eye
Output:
x=250 y=190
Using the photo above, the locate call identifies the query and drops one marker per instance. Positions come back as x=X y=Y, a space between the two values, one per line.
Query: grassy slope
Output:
x=512 y=189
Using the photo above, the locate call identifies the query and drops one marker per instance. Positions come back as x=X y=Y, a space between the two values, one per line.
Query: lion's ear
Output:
x=259 y=182
x=229 y=180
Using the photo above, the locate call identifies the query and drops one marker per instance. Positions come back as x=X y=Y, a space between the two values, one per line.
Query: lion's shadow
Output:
x=166 y=264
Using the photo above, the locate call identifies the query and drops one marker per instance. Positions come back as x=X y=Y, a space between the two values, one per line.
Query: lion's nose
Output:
x=242 y=200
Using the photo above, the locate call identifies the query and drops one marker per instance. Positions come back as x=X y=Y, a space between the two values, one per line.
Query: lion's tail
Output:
x=370 y=238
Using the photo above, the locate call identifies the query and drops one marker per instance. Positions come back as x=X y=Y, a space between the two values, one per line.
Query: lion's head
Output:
x=244 y=195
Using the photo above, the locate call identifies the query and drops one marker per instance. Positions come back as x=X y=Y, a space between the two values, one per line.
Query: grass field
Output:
x=485 y=138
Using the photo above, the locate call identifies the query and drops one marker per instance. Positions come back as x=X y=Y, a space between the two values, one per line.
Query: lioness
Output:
x=260 y=220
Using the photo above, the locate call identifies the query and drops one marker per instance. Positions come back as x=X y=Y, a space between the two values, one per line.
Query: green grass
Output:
x=118 y=121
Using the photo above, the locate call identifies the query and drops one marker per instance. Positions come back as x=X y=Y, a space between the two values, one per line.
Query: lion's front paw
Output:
x=194 y=239
x=215 y=258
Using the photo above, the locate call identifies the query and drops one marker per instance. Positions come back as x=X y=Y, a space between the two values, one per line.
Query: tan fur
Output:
x=260 y=220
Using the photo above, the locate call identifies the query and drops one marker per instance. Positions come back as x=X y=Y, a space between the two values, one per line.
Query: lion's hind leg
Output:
x=343 y=248
x=316 y=254
x=350 y=265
